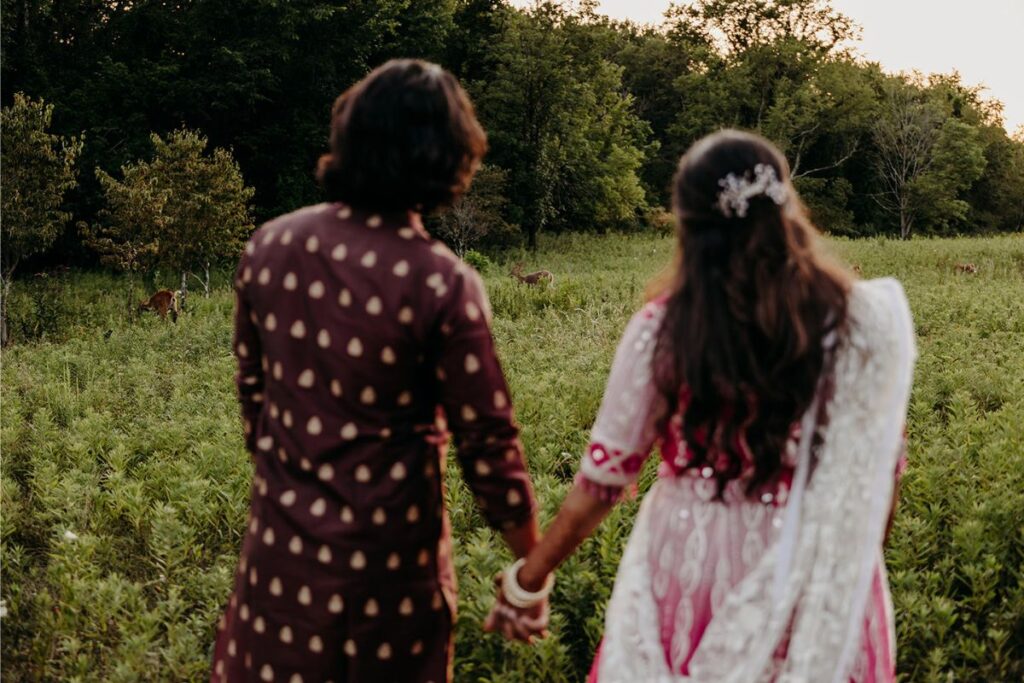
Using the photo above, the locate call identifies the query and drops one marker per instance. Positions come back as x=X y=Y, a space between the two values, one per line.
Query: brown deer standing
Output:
x=532 y=279
x=966 y=268
x=162 y=302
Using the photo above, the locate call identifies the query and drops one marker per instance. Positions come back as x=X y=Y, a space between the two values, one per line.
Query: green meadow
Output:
x=125 y=482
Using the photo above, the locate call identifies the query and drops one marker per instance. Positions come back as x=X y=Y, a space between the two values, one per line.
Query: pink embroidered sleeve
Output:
x=625 y=429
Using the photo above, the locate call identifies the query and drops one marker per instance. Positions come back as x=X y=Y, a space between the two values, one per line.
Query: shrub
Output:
x=40 y=309
x=479 y=261
x=659 y=220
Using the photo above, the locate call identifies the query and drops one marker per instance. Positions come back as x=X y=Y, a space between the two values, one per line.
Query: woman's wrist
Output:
x=531 y=578
x=519 y=596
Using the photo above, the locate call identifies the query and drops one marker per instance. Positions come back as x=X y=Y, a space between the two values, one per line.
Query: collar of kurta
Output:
x=377 y=220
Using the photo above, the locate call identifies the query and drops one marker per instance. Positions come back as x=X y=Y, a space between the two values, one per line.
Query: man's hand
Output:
x=515 y=623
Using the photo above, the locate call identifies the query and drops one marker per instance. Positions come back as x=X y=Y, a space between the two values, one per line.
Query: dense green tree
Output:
x=598 y=154
x=254 y=75
x=657 y=67
x=520 y=105
x=821 y=123
x=564 y=129
x=38 y=169
x=780 y=70
x=182 y=211
x=957 y=160
x=477 y=24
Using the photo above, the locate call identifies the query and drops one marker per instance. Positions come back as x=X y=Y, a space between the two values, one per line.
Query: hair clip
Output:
x=737 y=191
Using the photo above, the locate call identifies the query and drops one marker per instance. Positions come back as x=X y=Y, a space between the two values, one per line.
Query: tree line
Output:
x=586 y=115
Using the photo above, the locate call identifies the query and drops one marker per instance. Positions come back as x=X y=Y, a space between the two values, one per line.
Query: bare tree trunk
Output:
x=5 y=291
x=206 y=281
x=184 y=289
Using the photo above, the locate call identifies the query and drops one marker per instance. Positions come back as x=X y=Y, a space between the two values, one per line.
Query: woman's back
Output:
x=704 y=542
x=735 y=371
x=701 y=543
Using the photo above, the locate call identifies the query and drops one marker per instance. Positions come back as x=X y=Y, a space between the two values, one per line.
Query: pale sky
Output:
x=982 y=39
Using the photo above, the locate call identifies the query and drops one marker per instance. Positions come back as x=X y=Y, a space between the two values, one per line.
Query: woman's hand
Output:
x=581 y=512
x=525 y=624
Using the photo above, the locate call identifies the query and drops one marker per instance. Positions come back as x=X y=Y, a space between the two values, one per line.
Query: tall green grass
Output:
x=125 y=483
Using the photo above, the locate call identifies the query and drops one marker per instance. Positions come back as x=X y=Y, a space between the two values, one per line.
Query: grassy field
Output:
x=125 y=483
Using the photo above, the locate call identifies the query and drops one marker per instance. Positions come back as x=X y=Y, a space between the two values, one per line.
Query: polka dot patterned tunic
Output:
x=360 y=342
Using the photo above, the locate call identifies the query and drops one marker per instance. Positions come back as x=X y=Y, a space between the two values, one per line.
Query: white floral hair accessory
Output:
x=737 y=191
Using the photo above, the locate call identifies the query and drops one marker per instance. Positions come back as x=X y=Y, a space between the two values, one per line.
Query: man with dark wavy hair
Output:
x=360 y=342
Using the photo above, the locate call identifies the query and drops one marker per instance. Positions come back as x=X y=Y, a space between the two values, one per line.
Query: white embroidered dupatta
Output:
x=813 y=583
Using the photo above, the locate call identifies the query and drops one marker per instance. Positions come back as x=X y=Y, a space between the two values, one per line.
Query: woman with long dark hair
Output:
x=775 y=388
x=360 y=342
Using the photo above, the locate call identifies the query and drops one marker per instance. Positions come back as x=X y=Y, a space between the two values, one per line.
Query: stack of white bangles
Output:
x=519 y=597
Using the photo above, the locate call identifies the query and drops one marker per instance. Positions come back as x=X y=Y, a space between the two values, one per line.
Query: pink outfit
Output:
x=702 y=547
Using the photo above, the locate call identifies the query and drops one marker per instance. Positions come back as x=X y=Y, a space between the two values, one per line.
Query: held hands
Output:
x=518 y=614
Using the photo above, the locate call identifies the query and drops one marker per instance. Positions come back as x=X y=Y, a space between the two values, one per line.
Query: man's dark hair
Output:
x=403 y=138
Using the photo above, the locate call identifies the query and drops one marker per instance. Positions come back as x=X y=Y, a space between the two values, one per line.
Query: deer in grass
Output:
x=163 y=302
x=969 y=268
x=532 y=279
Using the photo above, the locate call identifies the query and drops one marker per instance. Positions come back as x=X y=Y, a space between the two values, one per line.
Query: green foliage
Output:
x=957 y=161
x=133 y=444
x=256 y=76
x=563 y=129
x=826 y=115
x=744 y=24
x=182 y=211
x=928 y=156
x=997 y=197
x=828 y=200
x=41 y=311
x=779 y=67
x=38 y=170
x=478 y=217
x=587 y=116
x=479 y=261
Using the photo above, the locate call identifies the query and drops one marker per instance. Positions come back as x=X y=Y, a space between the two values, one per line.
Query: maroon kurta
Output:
x=357 y=336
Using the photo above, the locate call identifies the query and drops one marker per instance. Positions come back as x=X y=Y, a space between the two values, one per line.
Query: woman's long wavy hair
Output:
x=749 y=308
